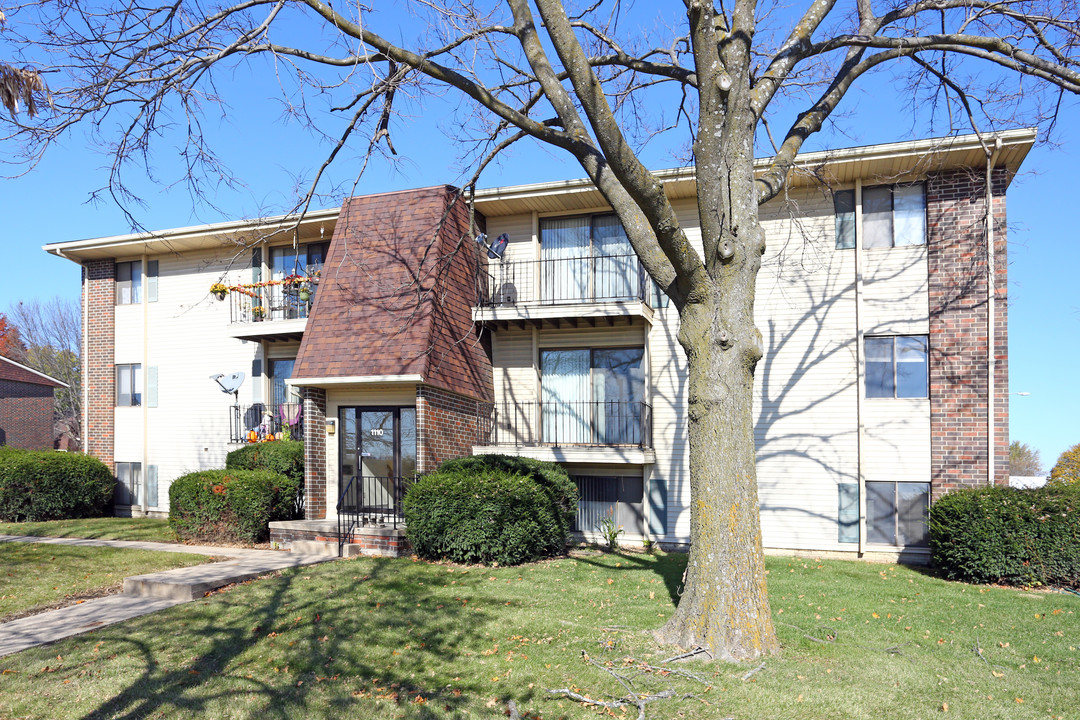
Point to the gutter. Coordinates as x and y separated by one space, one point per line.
991 316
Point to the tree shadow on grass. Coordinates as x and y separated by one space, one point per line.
371 627
669 566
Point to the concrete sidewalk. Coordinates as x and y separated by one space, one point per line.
143 594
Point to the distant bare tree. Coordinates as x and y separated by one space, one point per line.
52 332
596 80
1024 460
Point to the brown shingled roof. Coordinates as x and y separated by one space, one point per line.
396 294
11 370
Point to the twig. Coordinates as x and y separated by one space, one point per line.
692 653
640 702
754 672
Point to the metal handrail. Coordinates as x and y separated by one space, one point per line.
370 500
563 281
271 302
265 419
598 423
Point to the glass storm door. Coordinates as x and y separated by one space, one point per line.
378 442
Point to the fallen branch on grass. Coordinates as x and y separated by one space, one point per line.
639 701
754 672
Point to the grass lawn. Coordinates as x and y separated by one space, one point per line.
381 638
34 575
105 528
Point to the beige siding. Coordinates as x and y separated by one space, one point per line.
895 291
897 438
805 390
187 341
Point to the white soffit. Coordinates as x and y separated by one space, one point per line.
890 162
239 234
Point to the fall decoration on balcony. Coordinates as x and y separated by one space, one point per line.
258 312
290 284
219 291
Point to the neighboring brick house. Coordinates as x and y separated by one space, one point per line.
390 340
26 407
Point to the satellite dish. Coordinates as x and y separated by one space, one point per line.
496 249
229 384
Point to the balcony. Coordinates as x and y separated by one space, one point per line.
272 312
604 431
264 420
564 291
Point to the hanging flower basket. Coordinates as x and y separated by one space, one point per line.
304 294
219 291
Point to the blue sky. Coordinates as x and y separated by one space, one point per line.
271 156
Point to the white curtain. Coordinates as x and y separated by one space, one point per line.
564 251
617 275
564 395
909 215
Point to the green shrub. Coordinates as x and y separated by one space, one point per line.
230 505
51 485
490 509
285 457
1017 537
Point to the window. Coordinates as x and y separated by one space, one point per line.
129 385
894 215
285 261
896 512
129 282
588 258
896 366
593 396
618 498
128 484
844 206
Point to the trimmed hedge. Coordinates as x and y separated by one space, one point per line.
51 485
1004 535
230 505
491 509
285 457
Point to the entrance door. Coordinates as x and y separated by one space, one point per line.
378 456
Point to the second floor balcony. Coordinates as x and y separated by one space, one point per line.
592 286
277 311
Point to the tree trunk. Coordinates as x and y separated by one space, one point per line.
724 608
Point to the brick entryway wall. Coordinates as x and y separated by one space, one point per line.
959 308
99 371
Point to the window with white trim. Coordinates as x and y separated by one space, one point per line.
896 512
129 282
894 215
128 484
896 366
129 385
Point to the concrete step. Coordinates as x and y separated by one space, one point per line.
193 582
318 547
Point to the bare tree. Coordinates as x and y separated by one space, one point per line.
52 333
596 80
1024 460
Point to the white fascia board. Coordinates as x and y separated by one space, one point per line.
355 380
32 370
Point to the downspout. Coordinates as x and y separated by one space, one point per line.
145 470
860 368
991 315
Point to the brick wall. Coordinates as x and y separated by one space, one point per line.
959 309
314 453
448 425
99 374
26 415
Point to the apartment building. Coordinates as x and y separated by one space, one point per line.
389 339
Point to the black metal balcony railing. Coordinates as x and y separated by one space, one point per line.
273 302
570 423
563 281
286 419
368 500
